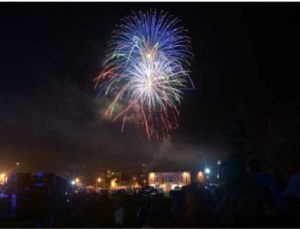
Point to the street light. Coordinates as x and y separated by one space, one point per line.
219 164
207 171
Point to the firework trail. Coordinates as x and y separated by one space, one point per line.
146 71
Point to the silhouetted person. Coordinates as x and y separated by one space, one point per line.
232 181
142 215
293 188
254 169
292 194
119 215
245 199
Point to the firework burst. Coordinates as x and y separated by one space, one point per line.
146 71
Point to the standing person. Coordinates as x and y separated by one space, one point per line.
232 184
199 207
292 194
119 215
254 169
244 199
293 188
143 214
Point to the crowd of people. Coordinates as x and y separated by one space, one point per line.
254 194
249 194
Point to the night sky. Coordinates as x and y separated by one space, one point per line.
246 57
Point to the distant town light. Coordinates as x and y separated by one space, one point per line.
152 175
185 174
77 180
99 179
200 177
73 182
3 178
151 178
200 174
186 177
207 170
219 162
113 184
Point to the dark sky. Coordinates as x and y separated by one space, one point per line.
49 53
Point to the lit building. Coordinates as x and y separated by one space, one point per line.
200 177
3 178
169 180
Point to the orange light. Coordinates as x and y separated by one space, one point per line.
152 175
201 177
113 184
3 178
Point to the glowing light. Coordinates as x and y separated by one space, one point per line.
136 185
146 71
207 170
185 174
113 184
152 175
73 182
3 178
186 177
99 180
200 174
77 180
200 177
151 178
173 186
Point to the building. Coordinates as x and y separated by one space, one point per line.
169 180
